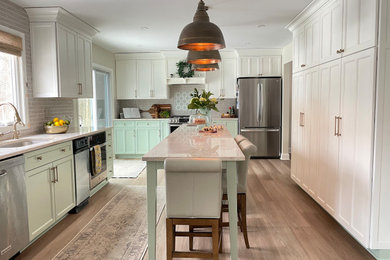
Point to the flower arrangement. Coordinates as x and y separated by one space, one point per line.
202 101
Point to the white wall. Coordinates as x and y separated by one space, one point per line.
286 101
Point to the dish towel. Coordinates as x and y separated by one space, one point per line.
97 158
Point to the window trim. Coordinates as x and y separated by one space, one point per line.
22 95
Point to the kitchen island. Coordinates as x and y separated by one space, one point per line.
187 142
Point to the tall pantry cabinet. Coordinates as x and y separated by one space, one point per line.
335 113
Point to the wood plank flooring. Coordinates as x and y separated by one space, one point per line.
283 222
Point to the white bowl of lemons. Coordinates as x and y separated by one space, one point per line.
57 126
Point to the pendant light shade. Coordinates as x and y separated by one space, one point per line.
205 67
203 57
201 34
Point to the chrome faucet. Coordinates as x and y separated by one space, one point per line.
17 120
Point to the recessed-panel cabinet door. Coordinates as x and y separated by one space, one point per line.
359 25
154 137
129 140
301 49
119 140
126 79
159 80
84 55
295 47
144 78
312 36
331 31
64 191
214 82
356 130
40 204
305 129
67 62
229 78
142 140
329 109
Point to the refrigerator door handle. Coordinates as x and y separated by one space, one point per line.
247 130
262 101
258 102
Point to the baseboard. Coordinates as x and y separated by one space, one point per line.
380 254
285 157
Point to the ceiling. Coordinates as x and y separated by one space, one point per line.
152 25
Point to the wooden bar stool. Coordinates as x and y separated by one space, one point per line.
194 197
248 150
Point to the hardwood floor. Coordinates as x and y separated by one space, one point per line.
283 222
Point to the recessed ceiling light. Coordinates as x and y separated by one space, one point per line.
260 25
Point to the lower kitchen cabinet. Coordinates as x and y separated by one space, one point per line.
134 138
50 187
109 154
231 125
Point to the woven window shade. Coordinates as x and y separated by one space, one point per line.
11 44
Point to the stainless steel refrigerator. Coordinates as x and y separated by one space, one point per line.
259 105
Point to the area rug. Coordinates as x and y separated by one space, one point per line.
128 168
118 231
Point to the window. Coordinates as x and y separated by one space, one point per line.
11 77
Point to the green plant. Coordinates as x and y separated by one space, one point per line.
184 69
203 101
165 114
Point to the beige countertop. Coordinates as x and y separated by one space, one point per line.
45 140
188 142
139 119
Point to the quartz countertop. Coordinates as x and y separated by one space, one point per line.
223 118
139 119
45 140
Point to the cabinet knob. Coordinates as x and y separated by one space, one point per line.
63 150
342 50
39 158
303 65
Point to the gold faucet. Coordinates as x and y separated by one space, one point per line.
17 120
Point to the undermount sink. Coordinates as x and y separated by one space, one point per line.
20 143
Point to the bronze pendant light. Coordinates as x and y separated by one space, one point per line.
203 57
201 34
205 67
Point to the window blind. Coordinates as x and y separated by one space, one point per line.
11 44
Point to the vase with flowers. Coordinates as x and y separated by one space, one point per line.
203 103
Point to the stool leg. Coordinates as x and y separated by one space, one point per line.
220 233
243 220
215 231
191 238
170 239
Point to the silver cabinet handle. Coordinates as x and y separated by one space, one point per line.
56 174
80 88
53 176
3 173
335 125
338 126
302 119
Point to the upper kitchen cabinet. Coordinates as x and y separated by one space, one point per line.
222 83
260 63
61 47
141 76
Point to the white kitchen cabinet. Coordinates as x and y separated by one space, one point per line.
144 78
141 77
214 82
126 79
84 54
360 22
222 83
328 160
331 31
356 135
257 66
312 42
61 54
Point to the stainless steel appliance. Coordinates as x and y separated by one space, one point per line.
82 172
96 178
13 208
176 121
259 106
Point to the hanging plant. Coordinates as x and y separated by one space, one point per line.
184 69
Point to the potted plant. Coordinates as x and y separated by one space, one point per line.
203 104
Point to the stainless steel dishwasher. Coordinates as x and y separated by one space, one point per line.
13 207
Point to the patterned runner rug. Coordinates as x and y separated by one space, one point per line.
118 231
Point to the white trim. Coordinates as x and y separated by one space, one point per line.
112 86
285 157
22 95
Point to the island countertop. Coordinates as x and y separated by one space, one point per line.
188 142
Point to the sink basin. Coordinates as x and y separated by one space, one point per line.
20 143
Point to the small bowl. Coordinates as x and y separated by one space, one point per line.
56 129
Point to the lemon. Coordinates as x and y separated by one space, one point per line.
57 123
55 119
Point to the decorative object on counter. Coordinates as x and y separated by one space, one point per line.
184 69
203 105
225 115
57 126
206 67
229 114
203 57
131 112
165 114
156 109
211 129
201 34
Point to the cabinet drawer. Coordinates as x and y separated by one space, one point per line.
149 123
109 135
123 123
47 155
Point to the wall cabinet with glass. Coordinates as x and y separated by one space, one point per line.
61 49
